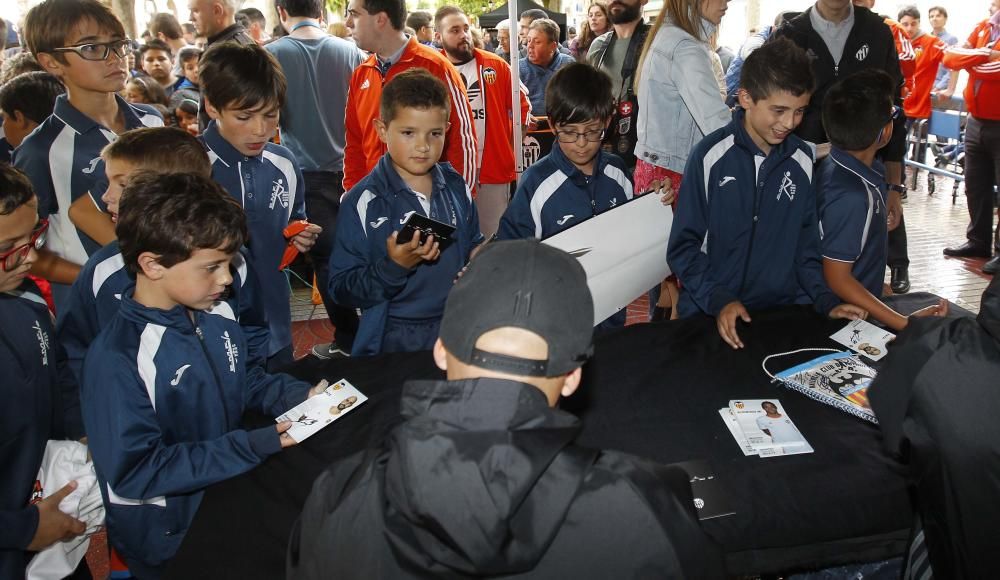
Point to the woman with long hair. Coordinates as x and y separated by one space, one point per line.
598 22
679 100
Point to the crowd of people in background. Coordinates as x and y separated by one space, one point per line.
156 188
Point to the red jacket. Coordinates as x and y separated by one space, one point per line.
498 153
907 56
930 50
363 148
982 94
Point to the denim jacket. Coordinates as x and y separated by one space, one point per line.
679 100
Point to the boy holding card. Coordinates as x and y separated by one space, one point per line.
165 384
243 90
858 115
401 287
96 294
745 235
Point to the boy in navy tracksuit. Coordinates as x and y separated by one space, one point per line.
96 294
745 235
83 44
577 179
858 115
243 90
39 399
166 383
26 101
401 287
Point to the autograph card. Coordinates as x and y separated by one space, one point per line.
311 415
864 338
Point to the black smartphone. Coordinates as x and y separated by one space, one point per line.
441 231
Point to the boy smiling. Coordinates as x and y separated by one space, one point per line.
746 232
401 287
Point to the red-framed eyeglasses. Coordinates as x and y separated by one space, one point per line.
15 257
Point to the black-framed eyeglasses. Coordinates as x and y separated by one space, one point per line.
101 50
15 257
593 135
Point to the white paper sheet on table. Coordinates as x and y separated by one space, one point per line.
623 251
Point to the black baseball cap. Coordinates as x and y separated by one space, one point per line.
523 284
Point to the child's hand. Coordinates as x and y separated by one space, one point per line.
286 439
726 322
53 525
940 310
306 239
318 389
410 254
665 189
849 312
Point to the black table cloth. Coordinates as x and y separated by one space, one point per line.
653 390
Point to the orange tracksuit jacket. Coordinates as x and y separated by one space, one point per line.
929 50
363 148
498 153
982 94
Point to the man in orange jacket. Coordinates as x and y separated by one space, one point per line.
980 57
378 29
487 81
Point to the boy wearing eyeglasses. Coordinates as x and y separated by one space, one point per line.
577 179
39 399
858 115
83 44
401 287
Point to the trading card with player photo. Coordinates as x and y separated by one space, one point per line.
865 338
316 412
766 425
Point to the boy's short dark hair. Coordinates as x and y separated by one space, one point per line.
565 101
188 53
160 149
778 65
394 9
15 189
49 24
910 11
415 89
156 44
18 64
941 9
166 23
235 76
306 8
856 108
32 93
174 215
418 19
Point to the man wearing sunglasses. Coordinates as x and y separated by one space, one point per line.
83 44
38 399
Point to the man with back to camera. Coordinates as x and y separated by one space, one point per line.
503 488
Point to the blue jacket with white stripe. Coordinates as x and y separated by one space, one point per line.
97 292
361 273
163 396
39 400
270 188
746 226
554 195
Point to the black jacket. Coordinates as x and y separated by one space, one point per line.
938 405
869 45
483 479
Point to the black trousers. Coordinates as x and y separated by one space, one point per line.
323 191
982 174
